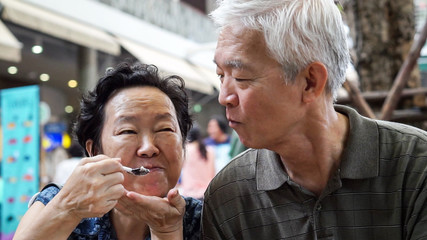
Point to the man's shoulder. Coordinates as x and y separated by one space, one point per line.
401 130
404 143
380 131
241 162
385 127
240 170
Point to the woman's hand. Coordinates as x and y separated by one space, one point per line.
93 189
164 216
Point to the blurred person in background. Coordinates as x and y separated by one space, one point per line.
315 169
132 118
219 139
199 165
66 166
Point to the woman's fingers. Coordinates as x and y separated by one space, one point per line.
94 187
113 179
104 166
96 158
176 200
115 192
163 215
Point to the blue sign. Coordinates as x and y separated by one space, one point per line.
21 154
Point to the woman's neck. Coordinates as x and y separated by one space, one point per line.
127 227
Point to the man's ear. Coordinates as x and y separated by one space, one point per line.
316 77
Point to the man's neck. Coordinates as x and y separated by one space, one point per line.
313 155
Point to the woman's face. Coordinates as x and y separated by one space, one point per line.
141 128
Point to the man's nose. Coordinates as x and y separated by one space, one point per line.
227 94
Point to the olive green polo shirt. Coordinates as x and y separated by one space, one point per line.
378 192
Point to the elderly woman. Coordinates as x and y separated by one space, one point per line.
132 118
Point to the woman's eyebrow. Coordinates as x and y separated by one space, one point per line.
125 119
158 117
164 116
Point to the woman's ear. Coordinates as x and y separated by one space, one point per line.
89 147
316 77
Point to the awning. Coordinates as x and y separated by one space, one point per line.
209 76
59 26
196 78
10 47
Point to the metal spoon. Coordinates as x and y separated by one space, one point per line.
141 171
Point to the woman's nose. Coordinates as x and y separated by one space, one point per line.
147 148
227 94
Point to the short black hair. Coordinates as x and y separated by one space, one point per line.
75 151
90 120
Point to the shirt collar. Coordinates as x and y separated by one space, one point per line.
360 158
269 170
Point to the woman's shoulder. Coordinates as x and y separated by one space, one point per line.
192 204
192 218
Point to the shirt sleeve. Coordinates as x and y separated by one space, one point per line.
46 194
192 218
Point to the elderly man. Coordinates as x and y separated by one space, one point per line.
316 170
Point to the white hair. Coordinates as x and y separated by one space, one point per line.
297 33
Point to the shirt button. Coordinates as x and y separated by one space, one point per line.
318 207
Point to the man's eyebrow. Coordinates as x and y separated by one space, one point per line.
234 64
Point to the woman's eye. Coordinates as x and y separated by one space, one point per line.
127 132
166 130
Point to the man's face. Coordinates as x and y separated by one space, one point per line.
259 105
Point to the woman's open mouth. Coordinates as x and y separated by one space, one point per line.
141 171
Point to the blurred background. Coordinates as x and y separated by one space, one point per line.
52 51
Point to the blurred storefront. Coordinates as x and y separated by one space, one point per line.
51 42
62 47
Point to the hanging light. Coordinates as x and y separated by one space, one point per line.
69 109
37 48
44 77
72 83
12 70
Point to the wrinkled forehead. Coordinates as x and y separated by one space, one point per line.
242 34
146 99
237 43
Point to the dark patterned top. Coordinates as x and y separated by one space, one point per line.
378 192
102 229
